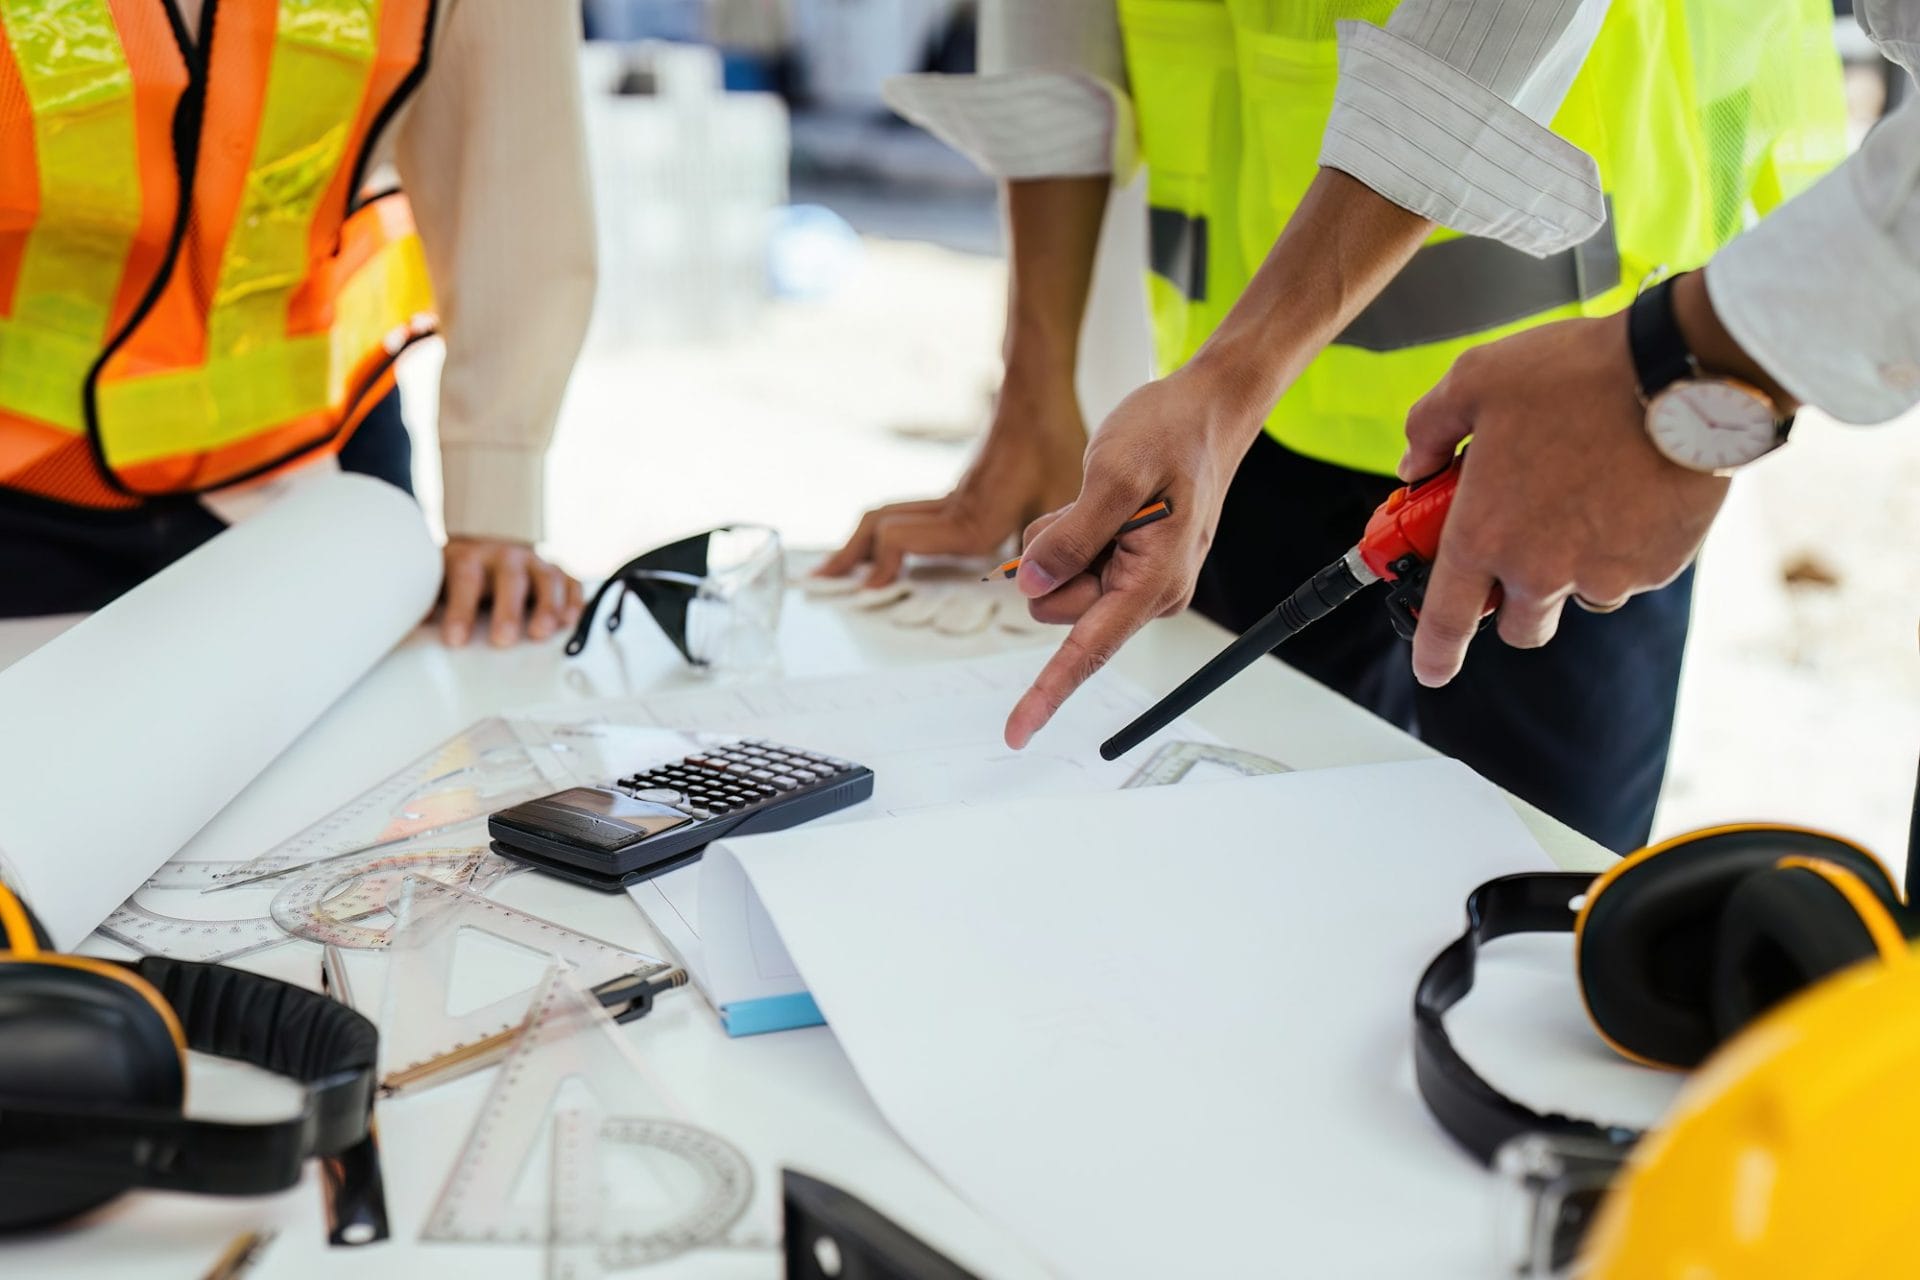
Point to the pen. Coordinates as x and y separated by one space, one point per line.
1141 519
239 1256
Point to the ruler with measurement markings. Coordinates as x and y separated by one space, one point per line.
699 1185
1183 762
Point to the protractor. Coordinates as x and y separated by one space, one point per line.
711 1182
348 903
153 932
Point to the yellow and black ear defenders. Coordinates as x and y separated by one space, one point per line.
93 1076
1676 948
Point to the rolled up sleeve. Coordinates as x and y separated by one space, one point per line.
1050 100
1443 111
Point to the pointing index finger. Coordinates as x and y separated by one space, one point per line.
1107 625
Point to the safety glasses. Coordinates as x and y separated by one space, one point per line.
716 595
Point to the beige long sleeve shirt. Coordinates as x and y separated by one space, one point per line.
491 151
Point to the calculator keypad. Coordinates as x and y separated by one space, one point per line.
730 779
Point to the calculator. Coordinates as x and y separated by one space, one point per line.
661 818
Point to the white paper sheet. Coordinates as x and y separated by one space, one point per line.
932 736
1164 1032
122 737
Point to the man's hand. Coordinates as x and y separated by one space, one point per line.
1178 439
1029 464
520 586
1182 437
1562 495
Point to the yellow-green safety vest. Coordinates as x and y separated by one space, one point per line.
1695 111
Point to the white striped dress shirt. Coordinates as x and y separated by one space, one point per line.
1442 111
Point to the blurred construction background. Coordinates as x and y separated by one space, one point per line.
800 315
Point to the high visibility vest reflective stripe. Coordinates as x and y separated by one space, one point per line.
1695 111
176 320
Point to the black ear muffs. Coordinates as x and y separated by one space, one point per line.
1785 929
1677 947
79 1037
1649 933
93 1079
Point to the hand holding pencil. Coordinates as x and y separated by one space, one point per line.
1099 563
1141 519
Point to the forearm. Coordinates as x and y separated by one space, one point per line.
1340 249
492 155
1053 231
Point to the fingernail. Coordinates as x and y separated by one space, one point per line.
458 634
1033 580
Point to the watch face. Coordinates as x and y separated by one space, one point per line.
1712 424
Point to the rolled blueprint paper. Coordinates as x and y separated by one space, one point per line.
122 737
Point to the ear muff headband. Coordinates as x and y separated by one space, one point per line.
1478 1116
1633 909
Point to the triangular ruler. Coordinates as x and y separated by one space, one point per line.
680 1186
421 1042
1177 763
490 765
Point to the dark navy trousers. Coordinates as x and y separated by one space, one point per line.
1580 728
60 559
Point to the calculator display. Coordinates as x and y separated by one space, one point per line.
641 816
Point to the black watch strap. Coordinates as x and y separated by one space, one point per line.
1660 355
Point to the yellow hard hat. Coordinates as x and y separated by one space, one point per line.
1794 1152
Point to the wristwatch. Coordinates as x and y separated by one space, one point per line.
1699 420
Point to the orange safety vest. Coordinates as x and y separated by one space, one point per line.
192 291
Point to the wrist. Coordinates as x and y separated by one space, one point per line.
1232 393
1040 404
1713 348
1041 349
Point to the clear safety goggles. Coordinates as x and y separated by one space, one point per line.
716 595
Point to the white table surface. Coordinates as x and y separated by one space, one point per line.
787 1099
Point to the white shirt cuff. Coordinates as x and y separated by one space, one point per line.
1023 124
493 491
1822 297
1427 137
